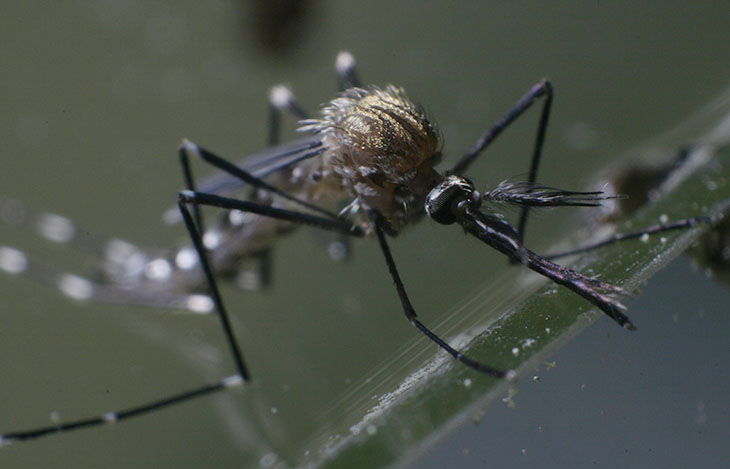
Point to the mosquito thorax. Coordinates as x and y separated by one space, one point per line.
381 148
444 200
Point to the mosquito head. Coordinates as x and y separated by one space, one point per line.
444 200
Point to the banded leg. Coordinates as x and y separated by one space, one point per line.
117 416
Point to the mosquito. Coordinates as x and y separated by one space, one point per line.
371 153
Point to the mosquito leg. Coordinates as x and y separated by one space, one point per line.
196 238
346 74
347 77
187 170
116 416
537 152
542 89
196 198
281 99
413 319
650 230
189 147
326 223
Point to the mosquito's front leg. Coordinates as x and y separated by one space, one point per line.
410 313
542 89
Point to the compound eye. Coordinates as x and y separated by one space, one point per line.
442 199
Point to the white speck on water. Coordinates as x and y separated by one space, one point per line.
527 343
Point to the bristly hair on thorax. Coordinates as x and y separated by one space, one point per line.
381 150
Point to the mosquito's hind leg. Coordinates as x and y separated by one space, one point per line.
281 99
117 416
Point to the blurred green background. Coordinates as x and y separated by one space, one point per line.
96 97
